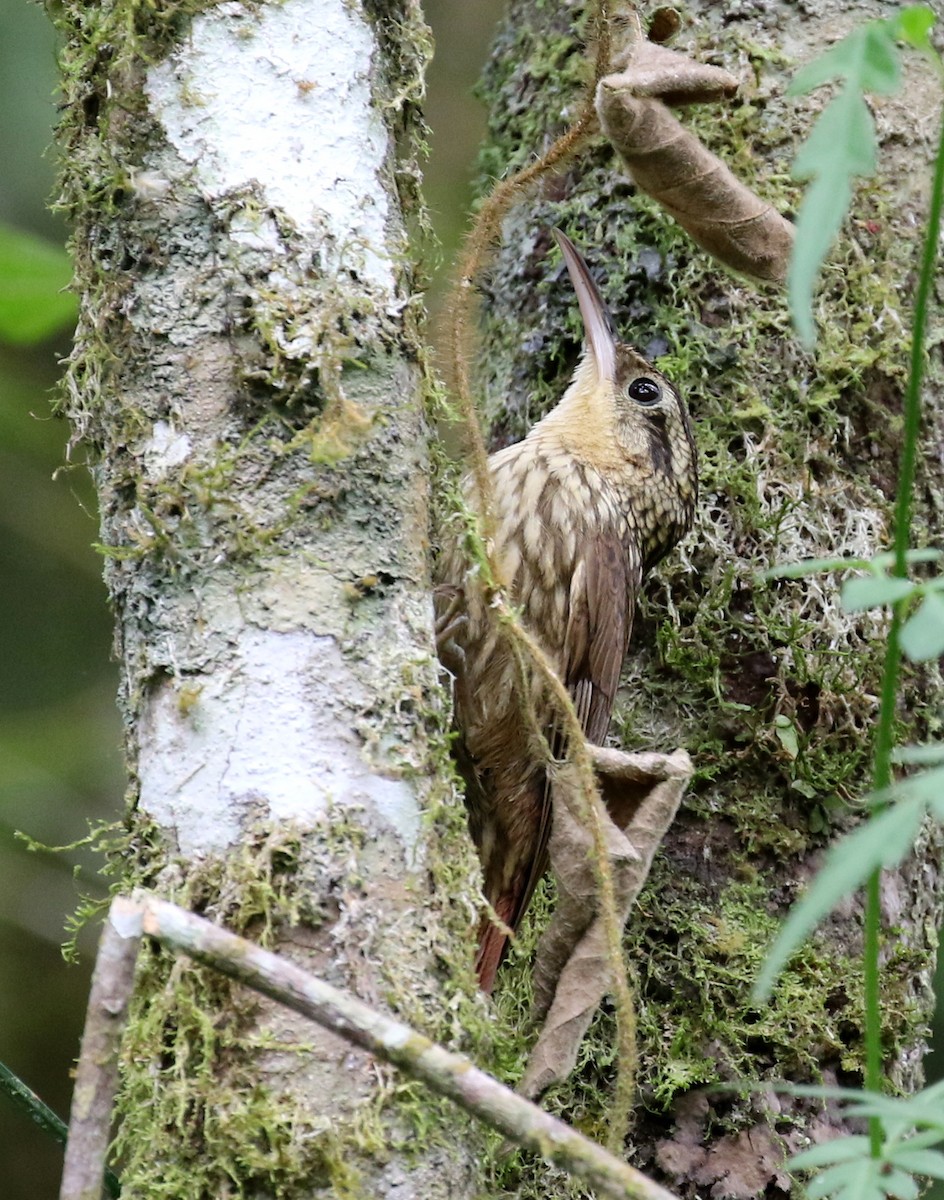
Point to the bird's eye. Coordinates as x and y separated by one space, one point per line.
644 391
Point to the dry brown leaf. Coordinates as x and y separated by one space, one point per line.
649 69
739 1166
673 78
683 1153
573 970
668 162
743 1165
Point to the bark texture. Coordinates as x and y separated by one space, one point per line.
798 458
246 378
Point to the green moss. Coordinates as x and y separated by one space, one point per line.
791 465
197 1102
191 1076
202 1119
308 444
690 1015
213 1128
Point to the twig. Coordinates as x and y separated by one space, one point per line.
96 1079
24 1097
447 1073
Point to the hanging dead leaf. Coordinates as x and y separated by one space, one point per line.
668 162
711 204
647 69
673 78
573 970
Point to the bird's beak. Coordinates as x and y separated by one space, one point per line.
597 322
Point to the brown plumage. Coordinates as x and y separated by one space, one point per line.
597 492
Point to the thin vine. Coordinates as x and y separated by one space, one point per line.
461 304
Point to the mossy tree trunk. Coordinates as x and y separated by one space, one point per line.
247 381
771 687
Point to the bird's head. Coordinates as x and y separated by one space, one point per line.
631 409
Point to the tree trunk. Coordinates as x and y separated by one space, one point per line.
771 687
247 376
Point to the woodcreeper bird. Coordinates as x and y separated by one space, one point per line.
597 493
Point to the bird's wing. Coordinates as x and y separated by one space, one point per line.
600 620
601 603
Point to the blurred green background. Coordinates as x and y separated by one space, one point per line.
60 763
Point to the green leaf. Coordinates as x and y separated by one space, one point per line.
926 787
786 732
840 147
863 1183
880 65
867 59
883 562
924 1110
813 566
821 212
929 786
919 1162
913 24
927 755
886 560
841 143
25 1098
882 841
900 1185
922 635
855 1179
870 591
841 1149
33 274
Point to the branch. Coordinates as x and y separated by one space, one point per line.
447 1073
96 1078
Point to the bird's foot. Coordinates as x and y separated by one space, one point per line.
451 617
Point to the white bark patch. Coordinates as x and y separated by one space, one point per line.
267 736
281 99
166 448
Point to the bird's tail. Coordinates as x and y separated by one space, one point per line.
493 944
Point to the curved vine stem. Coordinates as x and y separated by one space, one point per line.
477 249
482 237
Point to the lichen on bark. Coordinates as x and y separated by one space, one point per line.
247 384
